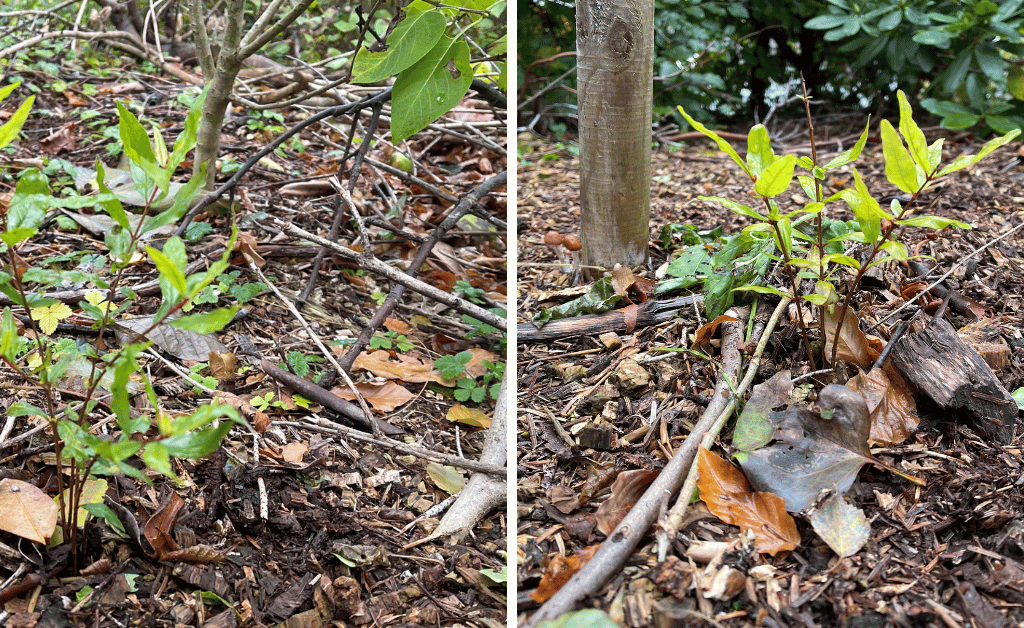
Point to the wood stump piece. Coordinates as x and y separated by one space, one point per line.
942 366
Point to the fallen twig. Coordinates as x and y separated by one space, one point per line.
619 546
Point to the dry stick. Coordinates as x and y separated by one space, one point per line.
368 418
320 424
423 251
373 264
614 552
674 518
949 272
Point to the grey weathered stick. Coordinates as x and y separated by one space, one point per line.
614 552
373 264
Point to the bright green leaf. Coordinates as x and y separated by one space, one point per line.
899 166
722 144
777 177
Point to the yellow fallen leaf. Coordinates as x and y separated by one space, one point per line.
468 416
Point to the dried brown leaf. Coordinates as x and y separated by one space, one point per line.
629 486
702 338
890 402
727 494
385 397
855 346
560 570
26 511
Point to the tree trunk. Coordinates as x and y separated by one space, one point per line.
615 73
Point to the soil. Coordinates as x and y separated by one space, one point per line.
948 553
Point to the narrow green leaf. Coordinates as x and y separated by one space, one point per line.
733 206
841 259
912 133
182 202
776 178
965 161
113 207
854 152
206 322
762 290
722 144
784 237
169 271
12 127
932 222
146 172
899 166
186 141
867 210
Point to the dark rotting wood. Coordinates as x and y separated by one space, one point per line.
942 366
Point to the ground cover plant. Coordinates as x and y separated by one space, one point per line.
609 402
224 406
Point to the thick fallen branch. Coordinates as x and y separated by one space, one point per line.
619 546
482 492
645 315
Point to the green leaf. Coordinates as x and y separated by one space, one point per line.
12 127
733 206
206 322
762 290
1018 396
899 166
412 38
156 457
784 238
867 210
31 201
759 150
182 201
932 222
196 444
121 403
722 144
186 141
113 207
897 250
912 133
965 161
854 152
106 513
169 272
430 88
139 150
843 260
776 178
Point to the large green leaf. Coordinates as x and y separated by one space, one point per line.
414 37
30 203
776 177
912 133
206 322
759 150
430 88
899 165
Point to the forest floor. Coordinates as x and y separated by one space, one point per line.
291 519
948 553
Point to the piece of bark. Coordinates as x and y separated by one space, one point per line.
942 366
647 314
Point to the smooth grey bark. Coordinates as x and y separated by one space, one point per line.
615 73
219 74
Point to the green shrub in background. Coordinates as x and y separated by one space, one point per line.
730 61
962 56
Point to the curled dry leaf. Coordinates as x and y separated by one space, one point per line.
727 494
385 397
855 346
159 527
468 416
560 570
890 403
702 338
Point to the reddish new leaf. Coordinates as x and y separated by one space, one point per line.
727 494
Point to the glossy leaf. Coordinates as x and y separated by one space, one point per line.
431 87
776 178
899 166
759 150
412 38
912 133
